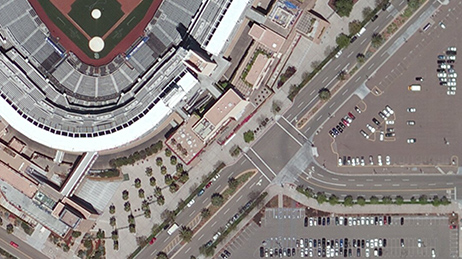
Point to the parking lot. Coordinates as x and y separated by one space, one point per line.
339 236
421 119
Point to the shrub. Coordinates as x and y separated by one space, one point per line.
348 201
342 40
160 200
179 168
168 152
343 7
159 161
173 187
324 94
9 228
399 200
148 171
137 183
76 234
112 221
186 233
249 136
321 197
141 193
152 181
205 213
217 199
233 183
173 160
112 209
374 200
333 199
127 206
125 195
168 179
361 201
184 177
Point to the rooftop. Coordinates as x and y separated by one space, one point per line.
267 37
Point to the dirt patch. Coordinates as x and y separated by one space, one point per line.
289 202
273 203
257 218
127 6
64 6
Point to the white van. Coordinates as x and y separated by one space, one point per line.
361 32
414 88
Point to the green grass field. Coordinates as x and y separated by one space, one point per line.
110 14
84 19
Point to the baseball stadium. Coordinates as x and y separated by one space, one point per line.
92 75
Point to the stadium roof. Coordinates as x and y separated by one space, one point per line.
114 140
226 27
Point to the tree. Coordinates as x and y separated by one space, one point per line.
168 179
315 64
343 7
76 234
205 213
321 197
152 181
141 193
112 209
444 201
131 219
163 170
366 12
66 248
137 183
9 228
354 27
147 214
186 233
324 94
360 58
112 221
342 40
333 200
132 228
348 201
157 191
167 215
125 195
161 255
168 152
399 200
342 75
184 177
160 200
173 187
423 199
207 250
127 206
387 200
361 201
173 160
159 161
179 168
100 234
217 199
116 245
148 171
377 40
436 201
413 3
374 200
249 136
233 183
87 243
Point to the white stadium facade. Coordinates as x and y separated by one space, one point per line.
51 97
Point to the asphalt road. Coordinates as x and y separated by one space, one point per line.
24 250
278 165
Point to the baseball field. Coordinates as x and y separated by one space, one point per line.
75 22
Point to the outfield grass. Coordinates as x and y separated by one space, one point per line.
110 13
113 39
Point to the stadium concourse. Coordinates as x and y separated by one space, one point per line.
55 99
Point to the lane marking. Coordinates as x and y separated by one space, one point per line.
288 133
258 156
324 182
405 180
258 168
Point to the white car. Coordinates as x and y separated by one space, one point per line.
379 160
411 140
411 109
442 25
419 242
367 253
444 66
452 57
390 122
410 123
452 75
382 135
443 79
442 75
389 109
369 127
340 161
451 84
371 160
452 88
433 253
387 160
190 203
362 161
452 48
452 79
451 93
302 243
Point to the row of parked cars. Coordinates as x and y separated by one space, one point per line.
360 161
349 221
445 71
385 115
342 125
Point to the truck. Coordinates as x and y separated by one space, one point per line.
414 88
172 229
361 32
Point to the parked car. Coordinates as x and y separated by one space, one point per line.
411 109
13 244
376 121
411 140
410 123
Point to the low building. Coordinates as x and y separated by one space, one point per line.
191 137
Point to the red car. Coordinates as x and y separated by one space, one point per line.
351 116
152 240
452 226
208 185
14 244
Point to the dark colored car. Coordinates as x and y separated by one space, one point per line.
353 39
227 252
331 133
386 6
339 128
201 192
374 18
336 132
262 251
351 115
323 221
293 251
384 242
306 222
345 220
380 251
341 125
389 135
319 220
358 252
328 221
374 120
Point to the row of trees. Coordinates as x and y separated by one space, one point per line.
349 201
136 156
